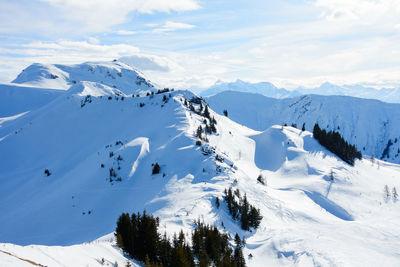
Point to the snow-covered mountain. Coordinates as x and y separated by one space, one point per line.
371 125
264 88
99 144
390 95
113 74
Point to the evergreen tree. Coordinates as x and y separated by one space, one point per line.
156 168
238 255
206 112
203 259
244 214
199 132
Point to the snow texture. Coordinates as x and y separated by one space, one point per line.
317 210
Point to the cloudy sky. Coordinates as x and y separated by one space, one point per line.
194 43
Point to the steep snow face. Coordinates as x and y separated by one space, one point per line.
371 125
113 74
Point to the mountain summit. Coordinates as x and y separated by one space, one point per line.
114 74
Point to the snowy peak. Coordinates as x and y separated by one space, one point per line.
41 75
111 74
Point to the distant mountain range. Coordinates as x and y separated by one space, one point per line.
390 95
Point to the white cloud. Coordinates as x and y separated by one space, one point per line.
101 14
152 25
74 17
125 32
169 26
148 62
93 40
72 49
364 12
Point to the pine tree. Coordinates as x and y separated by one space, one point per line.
217 202
244 219
204 261
238 255
156 168
199 132
206 112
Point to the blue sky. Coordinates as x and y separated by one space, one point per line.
194 43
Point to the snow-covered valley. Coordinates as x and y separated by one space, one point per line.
99 142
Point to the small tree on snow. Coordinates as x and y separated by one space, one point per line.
199 131
372 160
156 169
394 194
331 176
386 191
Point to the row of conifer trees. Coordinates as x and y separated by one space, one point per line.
335 143
137 235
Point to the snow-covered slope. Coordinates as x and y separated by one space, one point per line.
15 99
390 95
113 74
101 252
369 124
93 131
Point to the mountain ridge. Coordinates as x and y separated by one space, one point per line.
390 95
